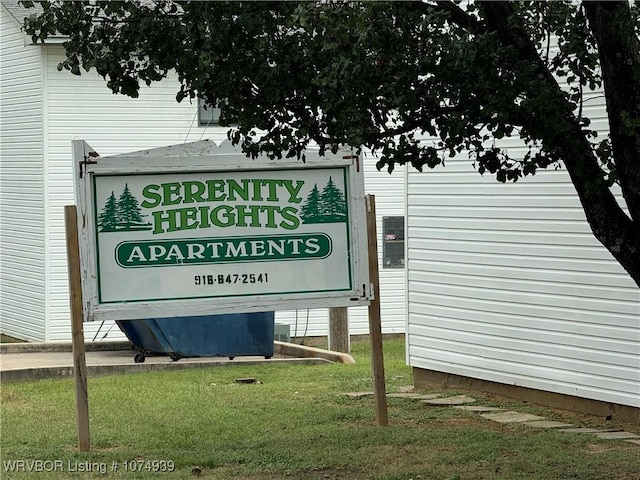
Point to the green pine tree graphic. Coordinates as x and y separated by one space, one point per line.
311 207
123 214
327 207
107 218
332 201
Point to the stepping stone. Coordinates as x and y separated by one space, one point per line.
402 395
511 417
358 395
585 430
548 424
412 396
616 435
457 400
478 408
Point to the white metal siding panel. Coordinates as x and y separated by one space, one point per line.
306 322
507 284
82 107
22 252
389 191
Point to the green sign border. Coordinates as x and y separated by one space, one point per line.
227 239
347 224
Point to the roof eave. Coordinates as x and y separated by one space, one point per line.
19 14
53 40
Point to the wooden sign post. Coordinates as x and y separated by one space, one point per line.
75 299
375 328
339 330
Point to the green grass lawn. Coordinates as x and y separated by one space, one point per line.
295 424
8 339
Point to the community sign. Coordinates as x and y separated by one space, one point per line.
201 229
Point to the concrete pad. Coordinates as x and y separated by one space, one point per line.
511 417
548 424
39 373
478 408
457 400
616 435
58 363
57 347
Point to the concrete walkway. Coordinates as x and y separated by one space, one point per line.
29 361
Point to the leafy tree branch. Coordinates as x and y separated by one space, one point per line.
415 82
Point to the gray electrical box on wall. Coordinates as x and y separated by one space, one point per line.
393 242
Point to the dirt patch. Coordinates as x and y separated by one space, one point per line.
9 397
464 421
601 447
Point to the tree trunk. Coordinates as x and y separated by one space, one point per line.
618 232
619 51
609 223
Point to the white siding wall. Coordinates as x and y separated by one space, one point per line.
22 218
82 107
506 283
389 190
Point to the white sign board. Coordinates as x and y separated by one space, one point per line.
201 229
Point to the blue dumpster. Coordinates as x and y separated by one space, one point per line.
232 335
